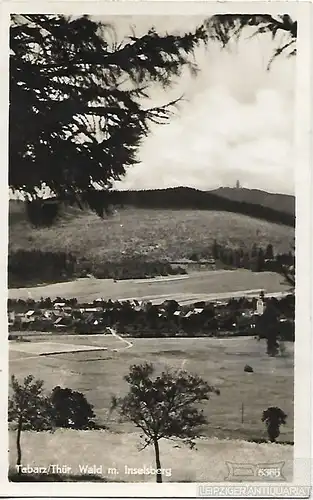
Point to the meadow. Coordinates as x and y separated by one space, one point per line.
155 233
235 414
196 286
111 452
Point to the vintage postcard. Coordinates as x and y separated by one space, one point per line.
156 310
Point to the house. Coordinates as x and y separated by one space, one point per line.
92 319
11 318
189 313
63 322
59 305
31 315
200 304
92 309
50 315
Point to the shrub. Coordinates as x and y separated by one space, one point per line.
273 417
70 409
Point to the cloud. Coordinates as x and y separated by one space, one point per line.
236 122
217 139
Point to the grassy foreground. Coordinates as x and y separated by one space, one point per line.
111 452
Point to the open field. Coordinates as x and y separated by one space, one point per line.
204 285
49 348
99 375
158 234
109 450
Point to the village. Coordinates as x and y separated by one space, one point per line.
141 318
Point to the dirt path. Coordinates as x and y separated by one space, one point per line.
115 334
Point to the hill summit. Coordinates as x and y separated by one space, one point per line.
258 204
277 208
276 201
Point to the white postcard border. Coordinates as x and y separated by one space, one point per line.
303 132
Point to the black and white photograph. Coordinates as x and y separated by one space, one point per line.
151 261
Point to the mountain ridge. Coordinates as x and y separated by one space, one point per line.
259 204
277 201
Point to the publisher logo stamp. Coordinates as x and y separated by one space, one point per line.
255 472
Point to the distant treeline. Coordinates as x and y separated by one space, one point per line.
31 267
256 259
188 198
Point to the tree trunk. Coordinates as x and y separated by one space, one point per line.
18 444
273 433
157 461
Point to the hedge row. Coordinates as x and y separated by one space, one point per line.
30 267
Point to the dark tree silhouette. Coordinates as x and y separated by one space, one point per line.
261 260
273 417
76 115
71 409
269 252
215 250
271 327
225 28
288 271
164 406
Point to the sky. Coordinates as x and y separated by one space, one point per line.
235 122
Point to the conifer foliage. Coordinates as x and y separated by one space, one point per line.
225 28
77 115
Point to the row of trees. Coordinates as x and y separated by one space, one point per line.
257 258
162 406
129 268
23 305
28 267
